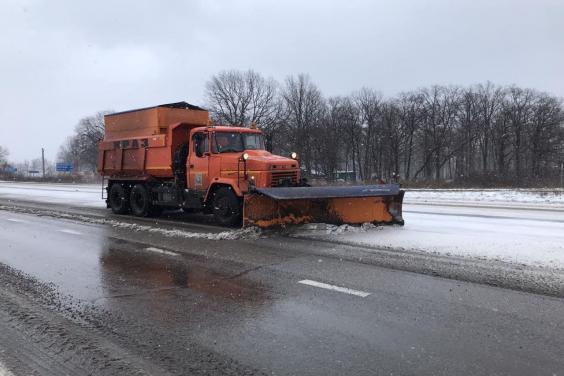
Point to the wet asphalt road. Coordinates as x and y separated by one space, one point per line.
245 305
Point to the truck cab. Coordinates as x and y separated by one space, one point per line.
224 163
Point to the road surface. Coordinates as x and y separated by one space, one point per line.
86 292
514 226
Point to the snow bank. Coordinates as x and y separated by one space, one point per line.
89 195
532 242
544 197
244 233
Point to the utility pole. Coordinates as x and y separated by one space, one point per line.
43 161
561 166
562 174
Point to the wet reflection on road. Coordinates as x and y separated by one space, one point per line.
90 264
126 266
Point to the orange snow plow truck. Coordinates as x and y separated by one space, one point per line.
172 157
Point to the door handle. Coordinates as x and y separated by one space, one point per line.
191 166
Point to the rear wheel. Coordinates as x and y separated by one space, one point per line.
140 202
118 198
227 207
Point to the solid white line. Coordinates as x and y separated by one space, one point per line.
69 231
16 220
161 251
322 285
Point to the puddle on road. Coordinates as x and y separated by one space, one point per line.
173 290
127 268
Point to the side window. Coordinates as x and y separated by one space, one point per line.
200 144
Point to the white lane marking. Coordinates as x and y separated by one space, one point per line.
16 220
4 371
345 290
161 251
69 231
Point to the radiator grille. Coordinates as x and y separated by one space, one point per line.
284 178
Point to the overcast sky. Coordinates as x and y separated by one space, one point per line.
61 60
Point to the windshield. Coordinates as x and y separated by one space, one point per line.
233 142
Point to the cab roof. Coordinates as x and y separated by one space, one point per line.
225 128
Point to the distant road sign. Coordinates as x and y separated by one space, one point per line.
10 169
64 167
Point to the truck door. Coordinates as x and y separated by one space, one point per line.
198 174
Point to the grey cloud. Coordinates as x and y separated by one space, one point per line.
62 60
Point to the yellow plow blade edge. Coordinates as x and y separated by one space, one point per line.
270 207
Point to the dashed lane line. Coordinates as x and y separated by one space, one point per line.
69 231
16 220
161 251
326 286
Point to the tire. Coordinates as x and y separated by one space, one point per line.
140 202
226 207
118 199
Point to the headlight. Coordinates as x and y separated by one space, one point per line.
294 155
245 156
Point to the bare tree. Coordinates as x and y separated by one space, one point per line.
368 102
490 100
82 148
4 155
544 134
90 131
519 109
440 119
304 107
241 98
329 146
352 135
71 152
410 107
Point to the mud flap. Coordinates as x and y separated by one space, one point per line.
269 207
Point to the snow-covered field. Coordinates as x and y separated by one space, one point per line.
520 226
550 198
72 194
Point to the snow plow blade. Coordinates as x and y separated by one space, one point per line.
268 207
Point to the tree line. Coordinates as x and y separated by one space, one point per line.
480 135
484 134
4 153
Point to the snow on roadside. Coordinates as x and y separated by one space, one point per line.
88 195
244 233
530 242
545 197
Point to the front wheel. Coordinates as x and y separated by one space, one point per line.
226 207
